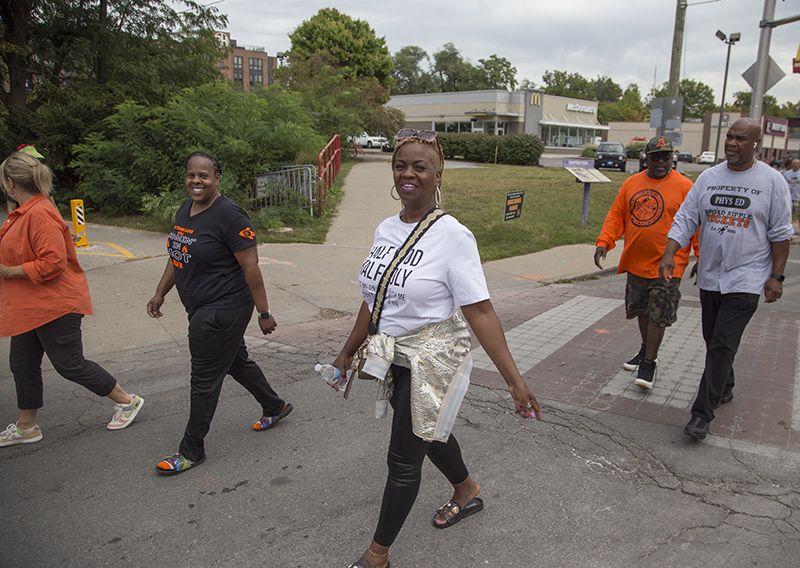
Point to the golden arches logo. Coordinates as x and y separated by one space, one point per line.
536 99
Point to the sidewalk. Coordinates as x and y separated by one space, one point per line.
606 480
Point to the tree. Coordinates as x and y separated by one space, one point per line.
66 64
497 73
605 90
629 108
698 98
336 101
352 43
742 99
563 84
409 77
139 150
453 71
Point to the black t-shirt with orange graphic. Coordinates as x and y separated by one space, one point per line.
207 274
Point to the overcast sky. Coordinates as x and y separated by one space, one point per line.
629 41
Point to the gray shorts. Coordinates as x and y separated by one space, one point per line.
654 298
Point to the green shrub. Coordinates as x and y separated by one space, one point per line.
515 149
633 149
589 151
135 161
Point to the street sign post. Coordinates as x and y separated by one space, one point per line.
584 171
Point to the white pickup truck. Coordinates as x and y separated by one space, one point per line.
368 141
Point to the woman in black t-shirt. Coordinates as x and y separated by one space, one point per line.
213 262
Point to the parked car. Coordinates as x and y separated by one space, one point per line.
389 145
684 156
369 141
707 158
610 155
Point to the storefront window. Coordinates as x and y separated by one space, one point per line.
566 137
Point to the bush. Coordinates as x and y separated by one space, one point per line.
135 162
633 149
589 151
514 149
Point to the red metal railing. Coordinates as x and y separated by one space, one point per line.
330 162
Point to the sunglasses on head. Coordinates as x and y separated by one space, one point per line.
426 135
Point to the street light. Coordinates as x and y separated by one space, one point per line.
730 41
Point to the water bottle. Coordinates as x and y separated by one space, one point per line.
331 375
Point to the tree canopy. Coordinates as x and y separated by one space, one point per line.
698 98
68 63
352 43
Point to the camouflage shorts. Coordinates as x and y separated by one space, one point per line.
654 298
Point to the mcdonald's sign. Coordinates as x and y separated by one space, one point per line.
536 98
796 62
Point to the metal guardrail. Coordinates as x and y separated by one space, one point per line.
330 162
288 186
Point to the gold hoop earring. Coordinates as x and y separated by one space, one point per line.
391 192
437 196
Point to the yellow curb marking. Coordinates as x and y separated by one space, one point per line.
125 253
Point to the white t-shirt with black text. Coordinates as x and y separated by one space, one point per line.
440 274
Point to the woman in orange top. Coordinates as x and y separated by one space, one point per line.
43 296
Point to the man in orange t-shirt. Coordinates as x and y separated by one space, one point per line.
643 212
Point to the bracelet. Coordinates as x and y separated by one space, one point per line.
778 277
264 315
376 554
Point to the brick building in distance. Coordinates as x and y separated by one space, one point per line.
247 67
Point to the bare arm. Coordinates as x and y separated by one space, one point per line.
667 266
354 341
248 260
773 289
164 286
487 328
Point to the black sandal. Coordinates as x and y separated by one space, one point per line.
452 513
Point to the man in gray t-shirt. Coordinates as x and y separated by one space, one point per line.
744 213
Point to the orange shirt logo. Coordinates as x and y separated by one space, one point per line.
247 233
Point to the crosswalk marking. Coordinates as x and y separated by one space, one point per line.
539 337
682 357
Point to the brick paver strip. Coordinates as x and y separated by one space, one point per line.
570 346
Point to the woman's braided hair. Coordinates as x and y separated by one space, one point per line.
433 143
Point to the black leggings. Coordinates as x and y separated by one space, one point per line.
406 454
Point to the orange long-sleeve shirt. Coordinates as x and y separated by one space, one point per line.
643 211
35 237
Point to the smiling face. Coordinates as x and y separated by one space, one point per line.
416 175
740 144
202 181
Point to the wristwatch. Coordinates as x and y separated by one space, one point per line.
264 315
778 277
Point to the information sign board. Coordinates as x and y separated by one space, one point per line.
513 205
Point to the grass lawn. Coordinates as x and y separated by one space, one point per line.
551 209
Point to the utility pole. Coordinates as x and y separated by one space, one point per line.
677 49
762 62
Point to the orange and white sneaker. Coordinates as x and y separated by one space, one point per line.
16 435
125 413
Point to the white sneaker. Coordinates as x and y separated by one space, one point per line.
125 413
14 435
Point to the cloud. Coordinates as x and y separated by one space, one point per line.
631 42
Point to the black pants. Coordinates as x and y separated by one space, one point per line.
725 316
216 344
61 340
406 454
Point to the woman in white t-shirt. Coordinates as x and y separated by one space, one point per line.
424 339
